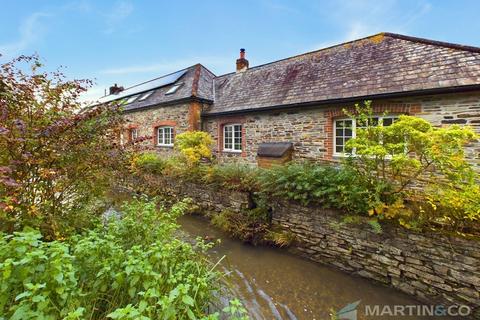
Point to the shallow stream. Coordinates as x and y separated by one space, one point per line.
275 284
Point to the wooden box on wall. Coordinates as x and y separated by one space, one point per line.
274 153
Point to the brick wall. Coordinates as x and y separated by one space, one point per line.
311 130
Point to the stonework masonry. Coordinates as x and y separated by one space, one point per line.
433 267
310 130
182 117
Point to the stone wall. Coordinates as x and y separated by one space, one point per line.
146 121
304 128
182 117
310 129
432 267
208 198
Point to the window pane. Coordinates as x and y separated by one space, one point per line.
339 149
227 132
167 135
389 121
232 137
238 137
339 124
160 136
348 132
339 141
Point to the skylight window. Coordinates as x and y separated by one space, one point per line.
173 89
145 95
131 99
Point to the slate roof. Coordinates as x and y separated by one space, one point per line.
380 64
196 83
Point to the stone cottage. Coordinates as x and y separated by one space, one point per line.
299 101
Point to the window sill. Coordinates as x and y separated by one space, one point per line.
165 145
342 155
232 151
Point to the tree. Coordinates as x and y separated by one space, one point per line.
411 152
55 155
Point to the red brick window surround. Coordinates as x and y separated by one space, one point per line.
231 132
345 129
132 133
335 114
164 133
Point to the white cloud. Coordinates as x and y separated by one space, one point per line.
30 31
119 13
219 64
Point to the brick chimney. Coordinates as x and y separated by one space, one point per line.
242 63
115 89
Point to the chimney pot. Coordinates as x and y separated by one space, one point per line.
115 89
242 63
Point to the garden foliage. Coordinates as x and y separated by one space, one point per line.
194 146
429 179
56 159
132 268
409 171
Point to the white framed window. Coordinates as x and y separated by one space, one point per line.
133 134
165 136
232 138
346 128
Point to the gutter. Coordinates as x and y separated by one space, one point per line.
323 103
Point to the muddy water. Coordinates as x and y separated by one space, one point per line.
274 284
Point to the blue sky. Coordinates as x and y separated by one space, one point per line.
129 41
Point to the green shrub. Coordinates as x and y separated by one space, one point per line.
132 268
149 162
411 152
194 145
327 186
233 176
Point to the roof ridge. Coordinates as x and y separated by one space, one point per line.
433 42
376 35
308 52
165 75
